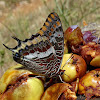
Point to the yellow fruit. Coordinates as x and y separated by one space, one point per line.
20 85
89 84
95 61
75 68
59 91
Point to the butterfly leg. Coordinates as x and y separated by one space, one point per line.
61 79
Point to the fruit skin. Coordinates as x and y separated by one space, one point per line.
59 91
18 85
74 69
89 84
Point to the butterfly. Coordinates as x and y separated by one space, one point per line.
42 53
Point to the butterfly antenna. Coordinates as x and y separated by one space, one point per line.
68 60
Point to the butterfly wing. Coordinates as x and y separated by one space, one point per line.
43 52
52 28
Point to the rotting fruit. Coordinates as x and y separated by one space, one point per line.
89 84
20 85
59 91
74 67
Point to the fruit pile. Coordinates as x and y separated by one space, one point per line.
86 44
81 78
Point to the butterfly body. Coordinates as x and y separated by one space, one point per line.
43 52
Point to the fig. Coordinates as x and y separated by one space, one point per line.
20 85
59 91
89 84
74 68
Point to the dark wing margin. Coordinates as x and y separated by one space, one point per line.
43 52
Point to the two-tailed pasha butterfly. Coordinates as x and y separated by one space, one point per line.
43 52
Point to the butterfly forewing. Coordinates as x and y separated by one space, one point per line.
43 52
